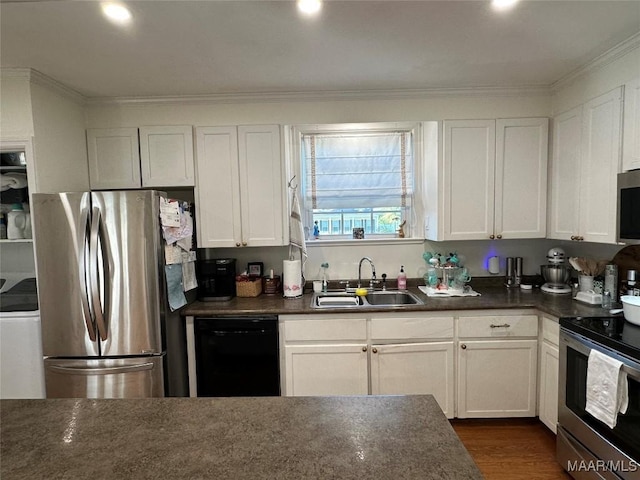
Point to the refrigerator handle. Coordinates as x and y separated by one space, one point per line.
94 274
101 371
82 263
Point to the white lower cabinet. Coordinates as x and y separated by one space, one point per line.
414 368
549 368
326 370
488 370
497 366
397 354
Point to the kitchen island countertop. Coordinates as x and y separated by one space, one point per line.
399 437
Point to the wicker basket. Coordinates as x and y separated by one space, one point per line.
252 288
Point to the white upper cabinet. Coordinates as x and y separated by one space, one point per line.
631 135
601 128
564 199
114 160
149 158
494 179
521 177
166 156
240 187
469 179
586 161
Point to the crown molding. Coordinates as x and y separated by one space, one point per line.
322 96
37 78
608 57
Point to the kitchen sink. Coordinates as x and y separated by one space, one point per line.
382 298
392 298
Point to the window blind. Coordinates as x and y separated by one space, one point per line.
356 170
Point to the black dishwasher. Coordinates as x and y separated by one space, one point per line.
237 356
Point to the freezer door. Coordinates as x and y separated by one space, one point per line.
140 377
61 227
127 288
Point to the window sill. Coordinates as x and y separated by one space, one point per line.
366 241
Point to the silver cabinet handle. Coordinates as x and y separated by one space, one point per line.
504 325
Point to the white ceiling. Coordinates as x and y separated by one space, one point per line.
231 47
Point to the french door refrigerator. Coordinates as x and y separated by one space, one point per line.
100 259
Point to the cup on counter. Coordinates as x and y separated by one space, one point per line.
586 283
317 286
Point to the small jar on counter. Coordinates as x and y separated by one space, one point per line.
606 299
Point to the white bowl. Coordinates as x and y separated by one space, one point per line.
631 308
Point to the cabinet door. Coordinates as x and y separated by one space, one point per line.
326 370
549 366
521 178
497 378
600 165
565 175
114 158
631 136
218 188
261 185
419 368
166 156
469 178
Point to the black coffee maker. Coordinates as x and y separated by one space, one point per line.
216 279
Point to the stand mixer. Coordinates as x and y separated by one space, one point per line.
556 273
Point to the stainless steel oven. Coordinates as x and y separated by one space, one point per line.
586 447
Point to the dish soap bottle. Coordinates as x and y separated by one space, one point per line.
402 279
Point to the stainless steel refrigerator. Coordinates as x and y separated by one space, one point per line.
100 258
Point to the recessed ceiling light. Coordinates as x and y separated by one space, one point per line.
309 7
117 13
503 4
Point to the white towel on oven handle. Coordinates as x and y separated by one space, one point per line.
607 388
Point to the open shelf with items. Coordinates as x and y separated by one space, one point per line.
14 194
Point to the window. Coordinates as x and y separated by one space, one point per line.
358 176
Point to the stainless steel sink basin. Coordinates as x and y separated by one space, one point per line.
393 298
387 298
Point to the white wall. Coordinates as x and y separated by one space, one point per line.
16 121
598 80
59 141
328 111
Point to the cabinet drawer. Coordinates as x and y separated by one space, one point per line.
322 329
498 326
399 327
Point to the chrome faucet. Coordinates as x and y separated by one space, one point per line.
373 272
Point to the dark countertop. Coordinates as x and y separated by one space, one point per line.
383 437
492 297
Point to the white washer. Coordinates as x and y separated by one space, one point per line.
21 361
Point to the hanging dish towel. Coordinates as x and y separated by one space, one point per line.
296 229
607 388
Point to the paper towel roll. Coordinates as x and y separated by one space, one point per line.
291 278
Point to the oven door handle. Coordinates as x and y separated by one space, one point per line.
584 346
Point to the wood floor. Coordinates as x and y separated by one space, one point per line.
511 449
